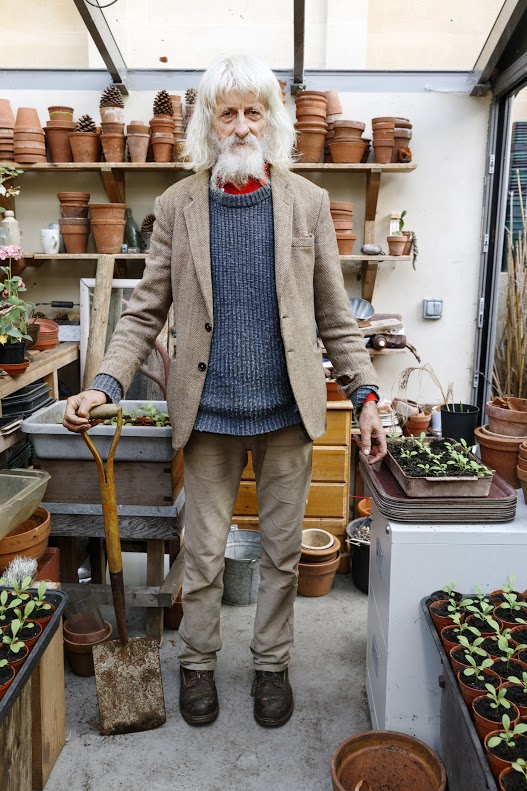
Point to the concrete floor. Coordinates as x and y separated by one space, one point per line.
234 753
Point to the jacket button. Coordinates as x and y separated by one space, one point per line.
202 366
208 327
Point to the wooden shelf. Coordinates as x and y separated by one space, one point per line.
155 167
377 259
384 352
8 440
84 256
43 365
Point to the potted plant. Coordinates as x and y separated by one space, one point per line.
514 778
506 745
7 675
489 709
14 315
28 629
517 691
12 648
467 654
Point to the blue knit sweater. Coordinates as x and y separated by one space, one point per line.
247 388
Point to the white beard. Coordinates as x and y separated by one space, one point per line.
239 159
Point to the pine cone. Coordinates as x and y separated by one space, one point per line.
191 95
147 226
86 124
111 97
163 103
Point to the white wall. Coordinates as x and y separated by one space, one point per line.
443 199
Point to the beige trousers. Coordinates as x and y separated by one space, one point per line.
213 467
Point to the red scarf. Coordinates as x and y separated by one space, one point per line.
250 186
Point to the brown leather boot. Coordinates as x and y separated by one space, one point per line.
273 698
198 699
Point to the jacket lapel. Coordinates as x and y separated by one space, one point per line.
283 226
198 227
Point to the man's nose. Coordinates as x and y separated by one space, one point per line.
242 127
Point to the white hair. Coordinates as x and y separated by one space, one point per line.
251 77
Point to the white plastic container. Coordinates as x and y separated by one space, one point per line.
20 493
138 443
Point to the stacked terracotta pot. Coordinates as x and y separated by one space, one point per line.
162 137
521 469
334 113
108 221
342 216
137 141
48 337
7 125
57 131
113 139
74 222
500 441
311 125
179 127
390 134
347 144
319 562
29 140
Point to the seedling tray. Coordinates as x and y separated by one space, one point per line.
461 751
439 487
59 599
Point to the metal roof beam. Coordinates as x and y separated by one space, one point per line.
299 24
103 39
496 43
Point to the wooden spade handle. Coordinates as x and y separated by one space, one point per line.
104 412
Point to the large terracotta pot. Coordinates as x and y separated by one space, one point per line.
347 150
316 579
108 235
310 145
107 211
386 759
507 422
383 151
29 538
500 453
58 141
85 146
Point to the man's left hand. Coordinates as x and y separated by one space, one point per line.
372 440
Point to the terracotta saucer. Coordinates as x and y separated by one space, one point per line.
16 369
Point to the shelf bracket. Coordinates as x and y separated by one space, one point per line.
114 184
369 275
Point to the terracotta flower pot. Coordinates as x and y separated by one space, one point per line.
386 760
341 206
484 725
496 764
9 673
29 137
310 145
75 234
17 663
60 113
112 129
316 579
107 211
162 147
113 147
29 538
58 141
457 658
108 235
112 115
43 616
74 198
347 150
507 777
380 135
85 628
499 453
7 118
311 111
507 422
73 212
30 642
345 243
80 655
522 477
137 129
440 621
85 146
314 554
27 117
163 124
383 151
469 693
448 643
409 236
401 138
333 102
521 708
396 244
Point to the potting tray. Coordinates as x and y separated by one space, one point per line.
439 487
461 750
20 493
59 599
498 506
138 443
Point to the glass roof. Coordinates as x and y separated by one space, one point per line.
173 34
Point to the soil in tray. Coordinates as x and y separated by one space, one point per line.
451 633
479 624
484 708
6 653
499 598
411 467
512 668
443 610
5 674
517 695
521 635
514 782
8 616
439 595
518 750
474 683
27 632
490 645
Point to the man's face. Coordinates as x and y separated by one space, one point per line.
238 116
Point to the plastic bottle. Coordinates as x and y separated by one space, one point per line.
3 237
132 235
12 229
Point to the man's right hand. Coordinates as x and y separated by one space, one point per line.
78 408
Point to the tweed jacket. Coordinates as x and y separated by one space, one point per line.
310 291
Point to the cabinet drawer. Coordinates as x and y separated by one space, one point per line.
338 430
329 464
324 499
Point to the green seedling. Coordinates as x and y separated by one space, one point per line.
19 589
520 682
39 600
497 697
512 603
508 734
509 586
472 649
475 669
449 589
10 639
521 766
7 603
24 617
406 453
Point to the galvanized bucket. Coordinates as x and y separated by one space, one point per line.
241 577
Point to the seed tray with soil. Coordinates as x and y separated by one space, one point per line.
431 467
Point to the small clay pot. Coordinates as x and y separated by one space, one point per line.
333 102
162 123
383 151
107 211
60 112
6 684
112 129
137 129
29 137
316 579
80 655
345 243
137 145
396 244
112 115
484 725
162 147
343 225
469 693
85 146
75 234
27 117
310 145
340 206
113 147
402 138
108 235
73 212
7 118
347 151
73 197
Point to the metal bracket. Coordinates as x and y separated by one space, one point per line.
103 39
296 87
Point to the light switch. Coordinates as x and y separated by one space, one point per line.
432 308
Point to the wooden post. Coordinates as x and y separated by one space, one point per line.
15 745
99 317
155 574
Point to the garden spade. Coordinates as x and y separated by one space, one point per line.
128 670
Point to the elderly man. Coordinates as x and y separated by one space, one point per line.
246 253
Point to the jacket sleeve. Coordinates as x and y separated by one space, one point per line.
337 327
142 321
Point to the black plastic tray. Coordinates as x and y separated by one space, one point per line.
59 599
461 751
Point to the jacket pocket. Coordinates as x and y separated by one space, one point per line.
303 241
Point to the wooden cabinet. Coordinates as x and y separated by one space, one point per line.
327 500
